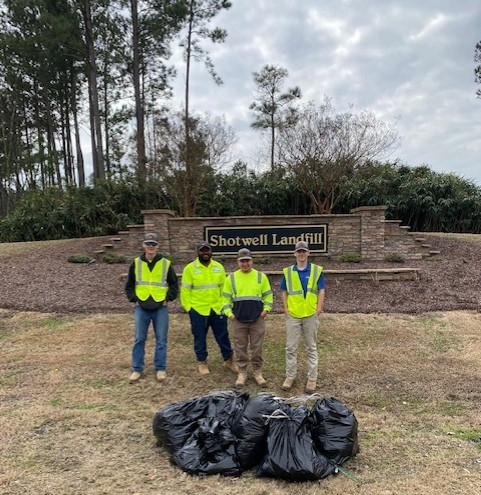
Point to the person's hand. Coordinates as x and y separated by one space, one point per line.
264 314
231 317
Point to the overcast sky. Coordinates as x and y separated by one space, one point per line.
409 61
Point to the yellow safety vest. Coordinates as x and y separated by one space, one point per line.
151 283
252 286
298 305
201 287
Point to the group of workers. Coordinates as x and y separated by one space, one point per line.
211 299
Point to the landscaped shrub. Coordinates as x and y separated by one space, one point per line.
79 258
350 258
112 258
394 258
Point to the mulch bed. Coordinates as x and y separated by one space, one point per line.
43 280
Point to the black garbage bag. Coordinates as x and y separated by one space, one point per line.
291 452
174 424
226 405
209 450
251 428
334 429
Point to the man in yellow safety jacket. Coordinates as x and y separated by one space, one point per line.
303 292
201 296
248 298
151 283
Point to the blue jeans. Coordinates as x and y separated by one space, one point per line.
200 325
160 322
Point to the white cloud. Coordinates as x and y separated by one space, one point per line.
410 61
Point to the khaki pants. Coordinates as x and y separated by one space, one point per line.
245 333
307 328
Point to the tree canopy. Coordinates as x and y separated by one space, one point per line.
101 68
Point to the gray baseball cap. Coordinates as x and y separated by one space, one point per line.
244 254
301 245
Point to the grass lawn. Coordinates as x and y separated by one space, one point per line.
70 423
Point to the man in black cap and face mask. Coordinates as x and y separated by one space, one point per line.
201 296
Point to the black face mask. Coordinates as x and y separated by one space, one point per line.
204 256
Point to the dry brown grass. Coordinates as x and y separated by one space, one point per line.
70 423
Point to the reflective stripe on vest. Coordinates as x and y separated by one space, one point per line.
151 283
201 287
244 298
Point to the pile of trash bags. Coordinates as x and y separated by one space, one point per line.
229 432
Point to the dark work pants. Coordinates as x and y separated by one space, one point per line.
200 325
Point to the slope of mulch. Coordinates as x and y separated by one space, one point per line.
43 280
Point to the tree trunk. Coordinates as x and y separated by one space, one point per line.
78 146
188 148
138 96
96 130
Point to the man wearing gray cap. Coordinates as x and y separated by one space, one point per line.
151 283
247 300
201 296
302 291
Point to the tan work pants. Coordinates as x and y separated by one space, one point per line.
249 333
295 329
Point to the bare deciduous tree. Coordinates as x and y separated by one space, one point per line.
322 150
211 141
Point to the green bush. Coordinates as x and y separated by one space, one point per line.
350 258
112 258
394 258
79 258
55 213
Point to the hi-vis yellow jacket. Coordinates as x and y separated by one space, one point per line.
298 305
246 295
151 283
201 288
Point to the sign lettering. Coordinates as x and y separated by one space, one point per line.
271 239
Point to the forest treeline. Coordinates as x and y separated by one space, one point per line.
100 68
423 199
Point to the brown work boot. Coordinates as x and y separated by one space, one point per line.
230 365
288 383
203 368
311 386
260 380
161 376
241 380
136 376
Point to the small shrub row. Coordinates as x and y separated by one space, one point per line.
110 258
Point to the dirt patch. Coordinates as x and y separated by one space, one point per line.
43 280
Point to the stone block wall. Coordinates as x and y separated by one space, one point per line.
365 231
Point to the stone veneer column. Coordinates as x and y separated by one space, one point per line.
372 231
158 221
